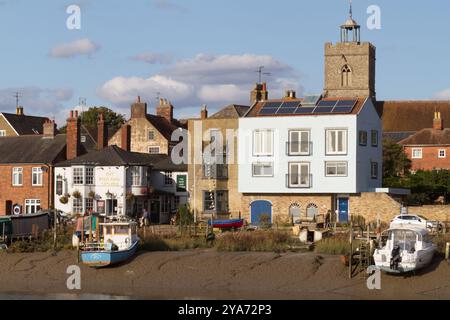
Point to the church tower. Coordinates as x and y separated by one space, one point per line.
350 64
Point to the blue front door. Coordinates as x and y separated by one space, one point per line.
343 209
260 208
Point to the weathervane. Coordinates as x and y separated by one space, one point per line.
261 73
351 9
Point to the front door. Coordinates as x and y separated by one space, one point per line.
154 212
261 211
343 209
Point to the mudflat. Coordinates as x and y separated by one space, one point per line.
208 274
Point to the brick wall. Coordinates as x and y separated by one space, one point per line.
372 205
430 158
433 212
19 194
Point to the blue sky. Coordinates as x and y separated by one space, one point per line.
206 51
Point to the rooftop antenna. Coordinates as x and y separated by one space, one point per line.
261 73
82 103
17 95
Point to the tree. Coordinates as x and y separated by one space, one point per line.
90 117
395 161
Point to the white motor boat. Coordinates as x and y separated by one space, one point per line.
407 248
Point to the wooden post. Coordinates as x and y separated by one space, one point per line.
350 260
447 251
55 217
97 230
90 227
82 229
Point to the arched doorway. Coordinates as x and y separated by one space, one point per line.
259 209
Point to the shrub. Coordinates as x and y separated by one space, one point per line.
76 194
64 200
45 243
268 241
336 245
154 242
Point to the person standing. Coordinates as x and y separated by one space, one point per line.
145 217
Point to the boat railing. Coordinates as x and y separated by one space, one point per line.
95 246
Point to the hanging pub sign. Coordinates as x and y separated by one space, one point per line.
101 206
181 183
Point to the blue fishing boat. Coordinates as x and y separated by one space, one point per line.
119 244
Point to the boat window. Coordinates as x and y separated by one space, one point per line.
120 230
108 230
405 239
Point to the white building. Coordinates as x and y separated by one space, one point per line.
114 181
312 150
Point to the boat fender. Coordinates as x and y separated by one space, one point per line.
127 240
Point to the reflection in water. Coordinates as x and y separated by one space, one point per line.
62 296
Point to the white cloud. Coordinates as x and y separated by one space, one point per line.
443 95
35 100
121 90
76 48
154 58
216 80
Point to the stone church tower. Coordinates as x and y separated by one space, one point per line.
350 64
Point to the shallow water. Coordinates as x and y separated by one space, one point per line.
63 296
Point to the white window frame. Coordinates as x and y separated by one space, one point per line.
263 164
80 173
77 205
32 203
17 176
328 143
300 142
442 151
91 180
2 133
336 164
38 173
299 175
136 176
168 178
413 152
154 147
263 143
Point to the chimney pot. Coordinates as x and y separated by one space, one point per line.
73 136
438 123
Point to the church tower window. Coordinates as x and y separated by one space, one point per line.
346 75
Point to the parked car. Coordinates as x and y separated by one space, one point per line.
416 220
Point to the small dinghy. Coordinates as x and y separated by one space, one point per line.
227 224
119 244
407 249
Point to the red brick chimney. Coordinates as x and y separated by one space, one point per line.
125 137
438 123
49 129
102 133
73 136
260 93
138 109
165 110
204 113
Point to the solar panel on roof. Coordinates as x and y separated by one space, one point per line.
286 110
272 105
346 103
304 110
342 109
290 104
327 103
268 111
323 110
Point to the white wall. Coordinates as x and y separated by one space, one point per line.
106 179
358 179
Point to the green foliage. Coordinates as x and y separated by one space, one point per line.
185 216
45 242
264 221
336 245
90 117
395 161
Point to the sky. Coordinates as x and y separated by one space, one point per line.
196 52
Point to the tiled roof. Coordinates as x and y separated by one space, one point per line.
110 156
404 116
163 125
232 111
31 149
254 111
428 137
397 136
25 125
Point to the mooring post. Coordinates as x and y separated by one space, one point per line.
350 258
447 251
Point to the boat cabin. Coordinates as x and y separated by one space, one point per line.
407 239
119 234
